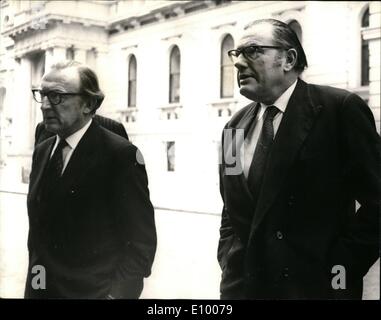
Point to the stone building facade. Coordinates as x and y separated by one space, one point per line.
163 68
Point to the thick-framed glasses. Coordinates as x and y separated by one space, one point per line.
249 52
54 97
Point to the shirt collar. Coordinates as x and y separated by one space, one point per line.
282 101
74 139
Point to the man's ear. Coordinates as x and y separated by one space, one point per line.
291 58
90 106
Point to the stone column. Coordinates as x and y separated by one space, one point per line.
49 58
21 114
80 55
20 151
2 101
103 72
53 55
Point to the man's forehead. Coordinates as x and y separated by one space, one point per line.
260 34
67 78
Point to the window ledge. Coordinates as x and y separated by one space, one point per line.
224 107
129 114
171 111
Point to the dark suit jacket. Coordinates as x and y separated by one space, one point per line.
95 233
41 134
326 155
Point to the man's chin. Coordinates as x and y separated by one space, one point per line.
51 127
247 92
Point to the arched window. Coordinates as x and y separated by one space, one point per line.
227 68
174 75
295 26
132 82
365 51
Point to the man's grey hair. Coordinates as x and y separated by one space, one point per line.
89 84
285 37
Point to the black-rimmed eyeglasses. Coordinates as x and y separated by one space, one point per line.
249 52
54 97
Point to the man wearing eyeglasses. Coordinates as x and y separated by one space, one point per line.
305 154
91 223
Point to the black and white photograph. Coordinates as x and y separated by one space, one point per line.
210 150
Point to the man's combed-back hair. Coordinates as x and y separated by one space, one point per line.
285 37
89 84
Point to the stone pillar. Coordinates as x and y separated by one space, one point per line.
53 55
373 35
49 58
80 55
22 113
103 73
91 59
2 101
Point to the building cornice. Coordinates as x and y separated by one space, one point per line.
46 44
43 21
172 11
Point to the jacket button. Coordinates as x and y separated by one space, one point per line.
285 273
291 201
279 235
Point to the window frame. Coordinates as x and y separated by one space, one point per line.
132 82
174 75
225 65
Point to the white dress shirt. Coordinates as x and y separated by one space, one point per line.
247 152
72 142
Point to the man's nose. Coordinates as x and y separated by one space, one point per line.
45 103
240 62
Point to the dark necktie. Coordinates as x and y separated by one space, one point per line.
264 143
55 165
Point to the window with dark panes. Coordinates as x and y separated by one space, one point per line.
171 156
132 82
365 51
174 75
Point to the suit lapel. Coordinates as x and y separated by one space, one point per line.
237 143
39 167
293 130
83 157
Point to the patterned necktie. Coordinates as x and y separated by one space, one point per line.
264 143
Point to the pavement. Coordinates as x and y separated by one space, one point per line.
185 265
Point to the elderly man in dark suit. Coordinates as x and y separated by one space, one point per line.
91 223
41 134
294 163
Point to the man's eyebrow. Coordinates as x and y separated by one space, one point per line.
53 88
248 44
